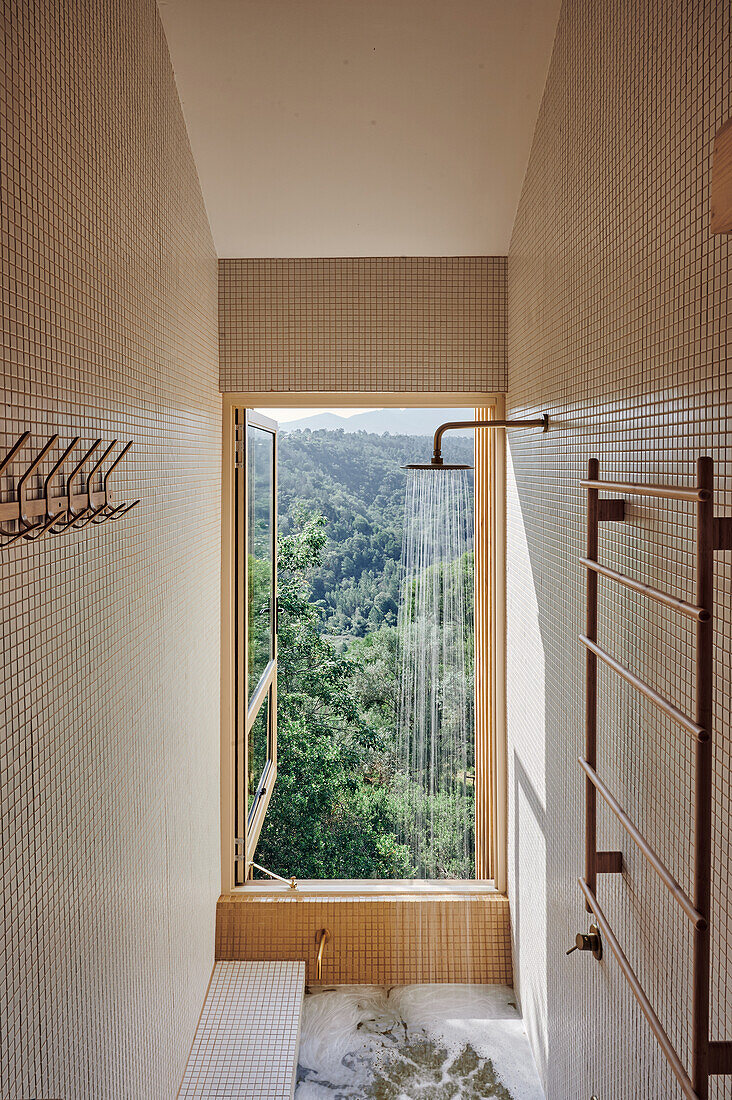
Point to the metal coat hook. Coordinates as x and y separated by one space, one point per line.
73 514
10 456
47 485
36 516
88 514
25 520
121 509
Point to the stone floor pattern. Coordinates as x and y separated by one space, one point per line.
427 1042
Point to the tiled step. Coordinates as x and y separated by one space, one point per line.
247 1038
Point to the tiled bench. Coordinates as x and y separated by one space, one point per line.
247 1038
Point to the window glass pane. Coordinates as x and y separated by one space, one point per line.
258 750
260 485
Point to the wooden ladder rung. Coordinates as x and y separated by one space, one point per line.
634 488
668 708
701 614
646 1007
631 829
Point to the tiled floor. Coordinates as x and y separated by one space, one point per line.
465 1042
247 1037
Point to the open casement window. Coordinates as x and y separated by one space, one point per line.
255 598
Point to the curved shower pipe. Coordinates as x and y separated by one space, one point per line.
436 462
451 425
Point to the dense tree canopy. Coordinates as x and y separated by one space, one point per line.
355 481
330 815
341 798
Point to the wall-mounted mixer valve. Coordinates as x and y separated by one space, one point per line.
588 941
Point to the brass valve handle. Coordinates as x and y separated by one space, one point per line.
588 941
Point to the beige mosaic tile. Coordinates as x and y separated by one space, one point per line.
376 940
109 787
619 327
393 323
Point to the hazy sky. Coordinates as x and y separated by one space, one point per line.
283 415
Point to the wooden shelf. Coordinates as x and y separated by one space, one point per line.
722 180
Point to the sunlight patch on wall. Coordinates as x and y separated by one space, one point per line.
526 707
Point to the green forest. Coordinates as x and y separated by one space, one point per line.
355 481
339 797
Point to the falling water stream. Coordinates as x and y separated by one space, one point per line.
435 772
427 1040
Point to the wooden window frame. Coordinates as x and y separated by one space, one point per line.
490 618
249 817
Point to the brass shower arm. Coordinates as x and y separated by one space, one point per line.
451 425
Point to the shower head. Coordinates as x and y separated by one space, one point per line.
438 464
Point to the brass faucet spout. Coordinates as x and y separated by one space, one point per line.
321 938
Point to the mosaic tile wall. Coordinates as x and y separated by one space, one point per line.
110 636
619 328
363 324
374 940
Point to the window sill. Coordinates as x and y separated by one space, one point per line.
368 887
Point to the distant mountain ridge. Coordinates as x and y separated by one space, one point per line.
394 421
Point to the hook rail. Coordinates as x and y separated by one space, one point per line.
79 505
